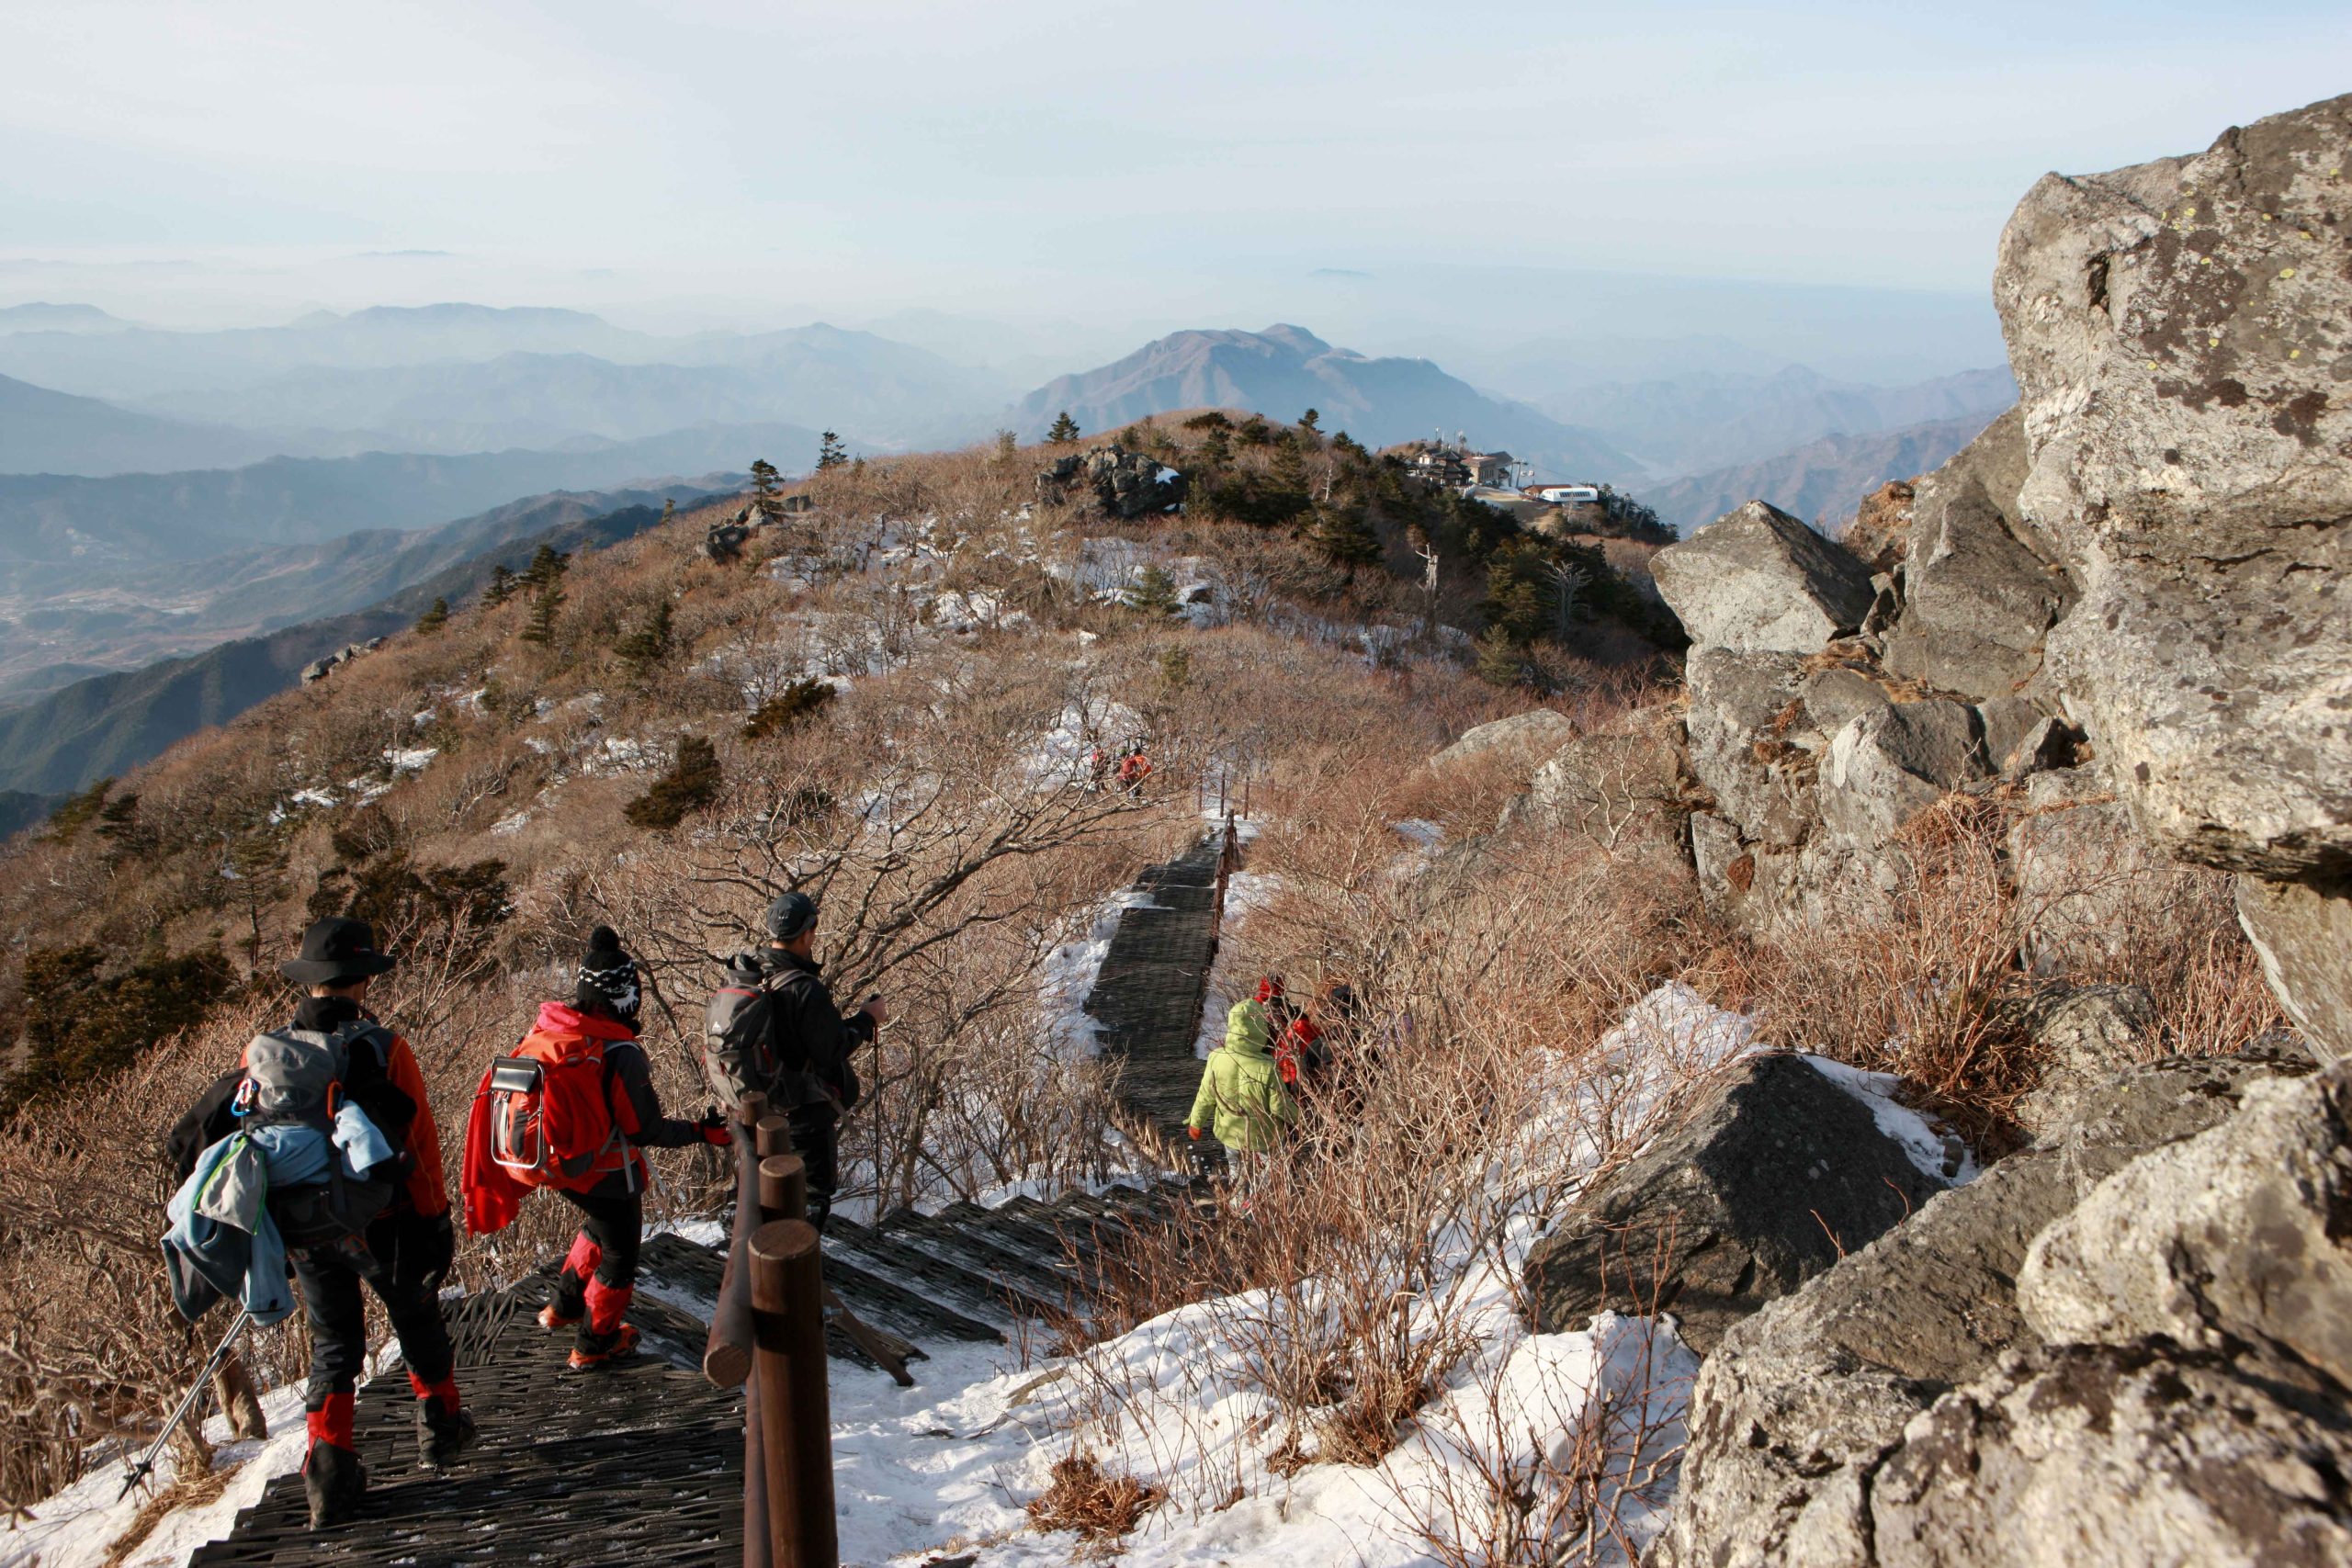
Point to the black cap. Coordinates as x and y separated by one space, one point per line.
334 950
791 915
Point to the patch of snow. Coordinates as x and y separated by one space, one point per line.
1420 832
1246 893
77 1527
319 798
411 760
1939 1154
507 826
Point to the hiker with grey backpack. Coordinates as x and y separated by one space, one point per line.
318 1152
773 1029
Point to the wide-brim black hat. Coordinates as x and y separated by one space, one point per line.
335 950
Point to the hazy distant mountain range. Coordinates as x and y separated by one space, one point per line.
1703 421
43 432
106 724
1822 480
460 379
1285 370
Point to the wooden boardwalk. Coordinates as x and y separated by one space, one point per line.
643 1463
1147 995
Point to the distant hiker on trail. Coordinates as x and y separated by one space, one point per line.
573 1110
773 1029
1242 1102
1134 768
391 1229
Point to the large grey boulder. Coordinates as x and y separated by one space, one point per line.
1755 1189
1889 763
1978 598
1613 787
2303 934
1758 580
2096 1456
1798 1407
1537 732
2084 1036
2236 1236
1745 721
2177 331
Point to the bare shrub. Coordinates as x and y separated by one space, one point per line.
1098 1507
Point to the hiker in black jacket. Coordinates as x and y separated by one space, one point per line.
599 1275
800 1057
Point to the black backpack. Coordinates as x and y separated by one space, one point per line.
739 1054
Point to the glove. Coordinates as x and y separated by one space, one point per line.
436 1243
714 1129
1195 1132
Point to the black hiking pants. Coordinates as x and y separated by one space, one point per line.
329 1280
816 1139
615 1227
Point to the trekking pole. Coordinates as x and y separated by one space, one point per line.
146 1465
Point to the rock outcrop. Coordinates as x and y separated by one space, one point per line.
1759 1184
1123 484
1758 580
1798 1417
1537 732
2121 616
318 669
2177 330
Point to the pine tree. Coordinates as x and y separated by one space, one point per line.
1153 592
763 477
643 650
548 565
1218 450
500 587
830 453
1344 537
1008 448
1064 430
435 616
540 628
669 507
1501 661
1311 420
786 711
691 785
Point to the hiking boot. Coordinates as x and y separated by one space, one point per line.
443 1431
553 1316
600 1350
332 1480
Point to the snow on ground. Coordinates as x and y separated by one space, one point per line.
78 1527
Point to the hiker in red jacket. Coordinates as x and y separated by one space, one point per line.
599 1275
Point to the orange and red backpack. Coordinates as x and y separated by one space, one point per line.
542 1117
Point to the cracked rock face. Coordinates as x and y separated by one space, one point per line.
1758 580
1796 1414
2178 332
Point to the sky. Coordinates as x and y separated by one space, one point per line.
1119 165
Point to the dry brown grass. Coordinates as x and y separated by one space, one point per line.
1100 1507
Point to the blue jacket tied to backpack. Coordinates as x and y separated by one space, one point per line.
223 1241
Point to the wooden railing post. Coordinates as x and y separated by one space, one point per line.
774 1135
795 1404
783 1189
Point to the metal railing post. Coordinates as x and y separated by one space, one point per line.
795 1404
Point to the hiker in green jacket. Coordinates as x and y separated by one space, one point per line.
1242 1102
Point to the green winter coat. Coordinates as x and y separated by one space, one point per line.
1242 1102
